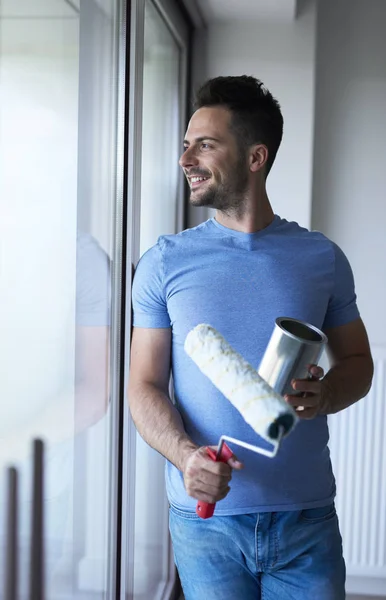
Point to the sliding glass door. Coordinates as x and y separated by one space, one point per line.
160 101
59 259
92 113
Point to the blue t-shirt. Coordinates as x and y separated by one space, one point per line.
240 283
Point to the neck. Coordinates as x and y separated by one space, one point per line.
255 214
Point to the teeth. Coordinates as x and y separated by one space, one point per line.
196 179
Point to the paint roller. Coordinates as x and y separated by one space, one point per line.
262 408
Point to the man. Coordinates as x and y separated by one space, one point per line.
275 533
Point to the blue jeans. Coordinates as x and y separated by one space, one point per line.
293 555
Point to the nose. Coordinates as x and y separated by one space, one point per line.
188 159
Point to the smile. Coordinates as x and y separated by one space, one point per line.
197 181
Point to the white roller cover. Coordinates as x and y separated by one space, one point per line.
240 383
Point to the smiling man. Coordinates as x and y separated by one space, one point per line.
210 182
275 534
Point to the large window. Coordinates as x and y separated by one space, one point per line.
58 205
88 162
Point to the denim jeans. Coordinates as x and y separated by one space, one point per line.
293 555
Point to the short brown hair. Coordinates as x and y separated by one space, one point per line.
256 114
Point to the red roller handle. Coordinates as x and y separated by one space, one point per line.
204 509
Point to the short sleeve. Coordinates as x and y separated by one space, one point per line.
342 306
93 285
148 294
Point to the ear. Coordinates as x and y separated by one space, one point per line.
258 157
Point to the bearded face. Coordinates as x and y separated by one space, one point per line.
214 164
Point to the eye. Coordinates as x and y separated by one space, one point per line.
185 147
205 146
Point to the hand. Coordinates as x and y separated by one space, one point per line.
207 480
312 399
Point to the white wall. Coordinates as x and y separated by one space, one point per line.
349 206
281 54
349 169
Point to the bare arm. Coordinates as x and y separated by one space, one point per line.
347 381
159 422
349 378
155 417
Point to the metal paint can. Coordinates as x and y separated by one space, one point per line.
293 346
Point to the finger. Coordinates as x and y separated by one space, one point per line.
205 482
306 385
204 496
202 463
207 478
307 414
214 466
235 463
207 456
213 477
209 470
211 487
315 371
297 401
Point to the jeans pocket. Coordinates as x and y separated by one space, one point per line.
318 515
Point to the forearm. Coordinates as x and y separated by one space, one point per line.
346 382
159 423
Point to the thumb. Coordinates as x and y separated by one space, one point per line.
235 463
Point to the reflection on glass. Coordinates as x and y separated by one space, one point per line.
159 195
57 112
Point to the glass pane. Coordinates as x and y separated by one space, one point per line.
159 196
160 130
57 203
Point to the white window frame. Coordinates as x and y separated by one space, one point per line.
180 31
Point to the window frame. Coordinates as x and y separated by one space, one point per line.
175 20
